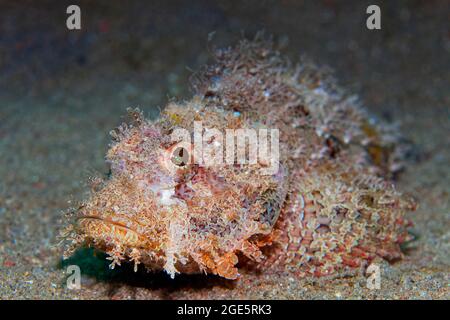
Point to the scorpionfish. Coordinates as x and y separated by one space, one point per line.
330 206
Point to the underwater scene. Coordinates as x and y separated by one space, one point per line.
223 150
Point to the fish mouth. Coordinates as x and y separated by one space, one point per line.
102 219
103 228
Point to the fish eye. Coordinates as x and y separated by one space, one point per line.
180 157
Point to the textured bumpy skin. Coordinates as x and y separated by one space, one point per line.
330 207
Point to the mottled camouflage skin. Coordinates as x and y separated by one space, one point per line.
330 208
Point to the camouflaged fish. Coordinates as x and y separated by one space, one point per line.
328 208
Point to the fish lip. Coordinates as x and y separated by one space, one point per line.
140 239
106 220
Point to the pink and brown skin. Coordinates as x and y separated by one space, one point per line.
330 208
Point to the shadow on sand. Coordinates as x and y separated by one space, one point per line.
93 264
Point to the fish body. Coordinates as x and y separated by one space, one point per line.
321 204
